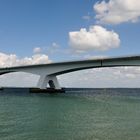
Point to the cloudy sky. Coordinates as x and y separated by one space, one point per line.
45 31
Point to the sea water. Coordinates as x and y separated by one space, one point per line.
81 114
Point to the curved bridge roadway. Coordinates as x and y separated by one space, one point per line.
48 72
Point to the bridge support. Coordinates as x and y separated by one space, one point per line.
50 80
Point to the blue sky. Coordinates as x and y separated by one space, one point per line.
26 24
46 24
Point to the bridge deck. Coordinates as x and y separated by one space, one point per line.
106 59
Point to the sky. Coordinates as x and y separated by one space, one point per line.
46 31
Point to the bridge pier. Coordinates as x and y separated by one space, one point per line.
50 80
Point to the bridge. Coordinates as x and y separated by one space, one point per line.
48 72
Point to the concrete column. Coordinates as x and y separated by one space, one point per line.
50 80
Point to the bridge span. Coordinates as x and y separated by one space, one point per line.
48 72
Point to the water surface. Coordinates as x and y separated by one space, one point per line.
99 114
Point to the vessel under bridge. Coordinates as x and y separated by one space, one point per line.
48 72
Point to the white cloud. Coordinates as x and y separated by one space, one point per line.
55 45
13 60
88 56
117 11
37 50
86 17
102 77
53 49
96 38
14 79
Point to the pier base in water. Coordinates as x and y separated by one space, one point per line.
47 90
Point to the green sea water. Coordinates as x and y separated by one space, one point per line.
98 115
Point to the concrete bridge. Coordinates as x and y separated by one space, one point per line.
48 72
